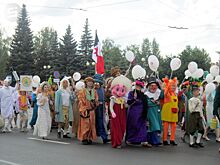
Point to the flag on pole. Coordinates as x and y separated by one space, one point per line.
97 56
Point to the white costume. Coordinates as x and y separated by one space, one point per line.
6 105
43 124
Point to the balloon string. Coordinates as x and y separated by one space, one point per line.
182 83
127 71
171 75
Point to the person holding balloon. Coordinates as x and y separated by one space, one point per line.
136 131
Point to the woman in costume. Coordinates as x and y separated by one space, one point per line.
43 124
136 131
154 94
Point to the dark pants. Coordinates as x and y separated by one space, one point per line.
34 116
195 123
100 129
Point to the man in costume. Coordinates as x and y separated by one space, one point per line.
100 110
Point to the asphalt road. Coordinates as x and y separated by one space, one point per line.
18 148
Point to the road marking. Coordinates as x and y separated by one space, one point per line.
50 141
7 162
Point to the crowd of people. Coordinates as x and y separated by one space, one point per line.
143 112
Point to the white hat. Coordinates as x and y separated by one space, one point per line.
121 80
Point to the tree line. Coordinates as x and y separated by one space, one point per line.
31 54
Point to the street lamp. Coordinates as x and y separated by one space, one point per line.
143 59
46 67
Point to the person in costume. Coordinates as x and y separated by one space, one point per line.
196 118
209 115
7 103
119 87
53 89
34 105
63 107
100 110
154 94
23 110
170 110
88 101
43 124
216 106
115 71
136 128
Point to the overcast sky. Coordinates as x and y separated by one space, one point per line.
128 21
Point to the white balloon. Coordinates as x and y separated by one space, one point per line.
129 55
209 78
214 70
192 67
198 73
76 76
217 78
36 79
138 72
80 85
175 64
210 87
187 73
153 62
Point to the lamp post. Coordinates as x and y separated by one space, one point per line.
46 67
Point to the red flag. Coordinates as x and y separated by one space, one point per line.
97 56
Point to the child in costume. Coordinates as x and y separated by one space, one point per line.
196 118
23 110
119 86
170 110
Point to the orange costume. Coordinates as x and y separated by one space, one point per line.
170 110
86 128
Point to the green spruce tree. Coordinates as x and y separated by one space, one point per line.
44 52
21 50
68 50
4 54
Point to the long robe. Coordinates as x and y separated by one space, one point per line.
43 124
136 131
87 127
7 101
